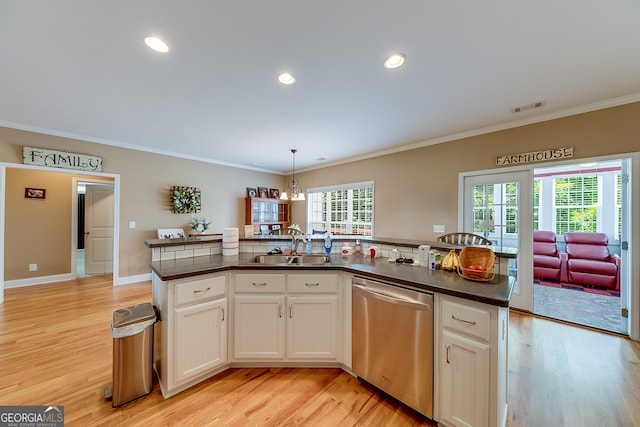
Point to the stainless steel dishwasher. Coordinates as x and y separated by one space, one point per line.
393 341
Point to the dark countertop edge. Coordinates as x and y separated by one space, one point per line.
501 300
502 252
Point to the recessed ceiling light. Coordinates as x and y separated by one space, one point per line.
156 44
286 78
395 60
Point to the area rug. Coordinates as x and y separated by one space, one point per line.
575 287
578 306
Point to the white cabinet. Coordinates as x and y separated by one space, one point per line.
200 338
465 381
471 356
286 316
191 337
258 324
312 327
258 316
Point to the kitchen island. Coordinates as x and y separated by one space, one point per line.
219 312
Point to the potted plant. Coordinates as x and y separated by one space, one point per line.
199 225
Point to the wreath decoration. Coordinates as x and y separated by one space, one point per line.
185 199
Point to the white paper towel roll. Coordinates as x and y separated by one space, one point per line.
230 241
230 232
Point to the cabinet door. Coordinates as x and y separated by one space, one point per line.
200 338
258 327
312 327
464 380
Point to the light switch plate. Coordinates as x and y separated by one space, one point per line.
438 228
132 224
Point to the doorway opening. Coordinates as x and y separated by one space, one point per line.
94 225
579 223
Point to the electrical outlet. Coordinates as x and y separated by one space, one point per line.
33 267
438 228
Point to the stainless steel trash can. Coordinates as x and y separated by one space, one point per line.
132 332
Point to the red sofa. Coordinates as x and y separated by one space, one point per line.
546 258
589 261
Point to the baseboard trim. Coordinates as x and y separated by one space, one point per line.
132 279
42 280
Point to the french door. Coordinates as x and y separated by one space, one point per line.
499 207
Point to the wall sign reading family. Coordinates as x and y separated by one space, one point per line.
535 156
60 159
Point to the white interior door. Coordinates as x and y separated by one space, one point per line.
499 206
98 231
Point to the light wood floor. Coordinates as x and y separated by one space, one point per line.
56 349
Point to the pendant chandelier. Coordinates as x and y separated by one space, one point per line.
297 193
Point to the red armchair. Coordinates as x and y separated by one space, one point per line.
589 261
546 259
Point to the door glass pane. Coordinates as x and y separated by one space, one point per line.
495 212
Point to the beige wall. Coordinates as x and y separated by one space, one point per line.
414 189
419 188
37 228
145 180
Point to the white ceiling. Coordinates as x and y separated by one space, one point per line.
80 69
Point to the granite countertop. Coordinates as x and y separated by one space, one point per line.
500 251
497 292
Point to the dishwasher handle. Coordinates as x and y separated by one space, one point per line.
391 299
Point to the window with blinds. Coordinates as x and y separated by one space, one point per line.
576 204
588 201
344 209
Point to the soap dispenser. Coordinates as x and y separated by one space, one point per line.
327 243
309 247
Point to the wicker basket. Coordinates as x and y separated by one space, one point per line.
475 256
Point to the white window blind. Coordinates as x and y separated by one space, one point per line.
577 203
343 209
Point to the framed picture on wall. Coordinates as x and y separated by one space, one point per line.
274 193
35 193
263 192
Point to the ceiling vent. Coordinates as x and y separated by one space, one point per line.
522 108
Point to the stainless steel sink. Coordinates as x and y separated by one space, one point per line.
291 259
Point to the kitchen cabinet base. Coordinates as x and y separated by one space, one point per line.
182 387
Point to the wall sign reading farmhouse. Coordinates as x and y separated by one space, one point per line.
60 159
535 156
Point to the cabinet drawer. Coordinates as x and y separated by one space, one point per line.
312 283
470 320
259 283
200 290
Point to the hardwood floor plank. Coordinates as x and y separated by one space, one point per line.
570 376
56 348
